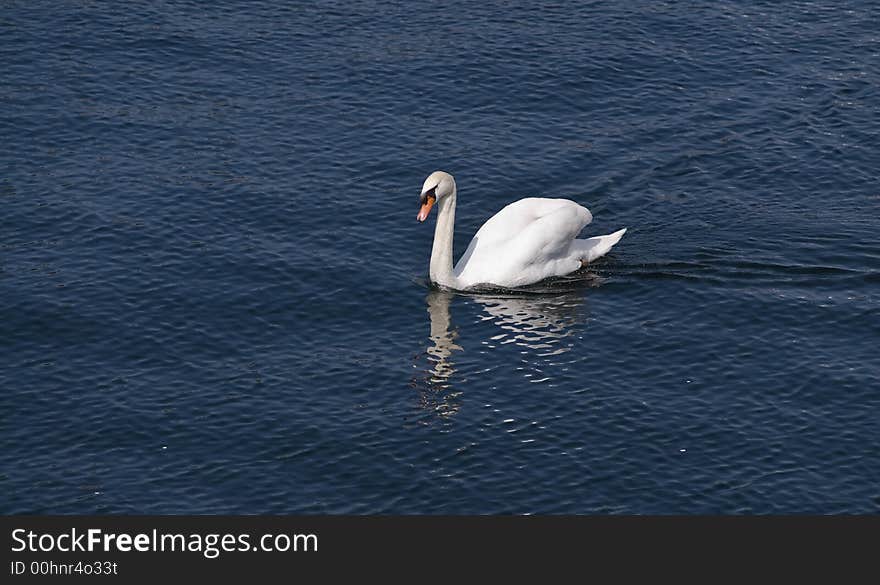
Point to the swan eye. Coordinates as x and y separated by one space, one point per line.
432 193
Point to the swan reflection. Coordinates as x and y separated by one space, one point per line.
542 324
438 395
539 326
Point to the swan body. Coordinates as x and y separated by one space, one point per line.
527 241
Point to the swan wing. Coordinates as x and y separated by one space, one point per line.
527 241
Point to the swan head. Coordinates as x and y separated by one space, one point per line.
438 185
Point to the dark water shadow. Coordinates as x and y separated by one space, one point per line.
580 280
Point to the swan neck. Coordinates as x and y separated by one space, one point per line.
441 254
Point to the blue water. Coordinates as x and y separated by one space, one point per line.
212 283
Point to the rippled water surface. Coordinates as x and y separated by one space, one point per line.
212 283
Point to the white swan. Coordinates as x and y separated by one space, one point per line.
527 241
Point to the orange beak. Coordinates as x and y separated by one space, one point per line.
428 201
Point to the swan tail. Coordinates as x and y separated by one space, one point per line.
592 248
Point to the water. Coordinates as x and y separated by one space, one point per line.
212 283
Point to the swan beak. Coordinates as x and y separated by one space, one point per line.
427 201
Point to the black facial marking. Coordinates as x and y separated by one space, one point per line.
429 193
